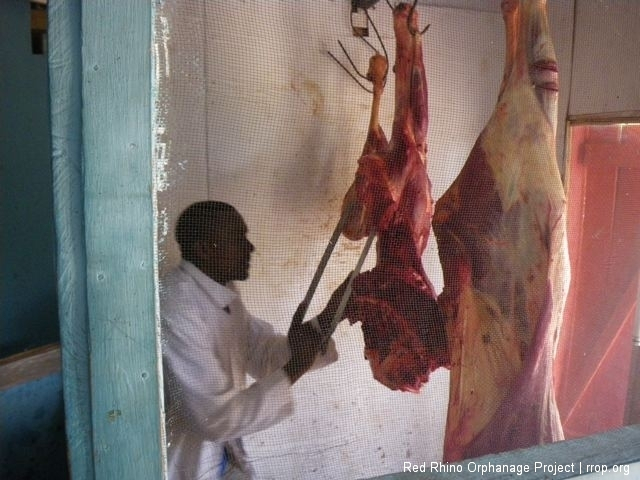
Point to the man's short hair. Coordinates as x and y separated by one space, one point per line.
199 221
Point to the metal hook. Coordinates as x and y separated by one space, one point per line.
370 46
352 64
378 37
409 27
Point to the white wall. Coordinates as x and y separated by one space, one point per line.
606 58
257 114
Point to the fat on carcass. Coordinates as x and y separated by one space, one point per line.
402 324
501 236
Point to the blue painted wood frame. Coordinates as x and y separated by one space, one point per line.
102 140
65 84
119 235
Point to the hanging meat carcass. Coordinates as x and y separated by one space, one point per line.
367 186
501 236
403 326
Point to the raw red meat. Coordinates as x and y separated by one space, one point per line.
367 184
501 236
403 326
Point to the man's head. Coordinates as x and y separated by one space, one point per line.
213 236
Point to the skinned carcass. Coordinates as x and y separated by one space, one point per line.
501 236
403 326
368 186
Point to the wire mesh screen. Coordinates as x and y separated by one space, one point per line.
254 112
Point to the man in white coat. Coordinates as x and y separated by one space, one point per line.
211 343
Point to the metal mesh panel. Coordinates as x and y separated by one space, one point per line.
253 111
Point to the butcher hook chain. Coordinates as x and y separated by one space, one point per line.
370 46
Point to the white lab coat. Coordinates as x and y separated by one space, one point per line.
210 343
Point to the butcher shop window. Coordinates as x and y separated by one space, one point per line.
596 372
458 263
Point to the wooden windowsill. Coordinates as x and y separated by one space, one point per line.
30 365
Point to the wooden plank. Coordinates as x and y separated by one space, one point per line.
119 233
65 82
615 448
30 365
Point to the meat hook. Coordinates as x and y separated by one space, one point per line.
409 27
304 305
370 46
337 318
347 70
369 19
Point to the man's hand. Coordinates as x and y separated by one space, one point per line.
304 342
325 318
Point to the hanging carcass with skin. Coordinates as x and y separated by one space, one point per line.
502 243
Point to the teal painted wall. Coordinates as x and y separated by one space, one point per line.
28 305
32 440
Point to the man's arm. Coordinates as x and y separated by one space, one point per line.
201 362
306 341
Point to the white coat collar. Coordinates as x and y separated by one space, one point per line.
220 295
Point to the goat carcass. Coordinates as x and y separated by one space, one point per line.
403 326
